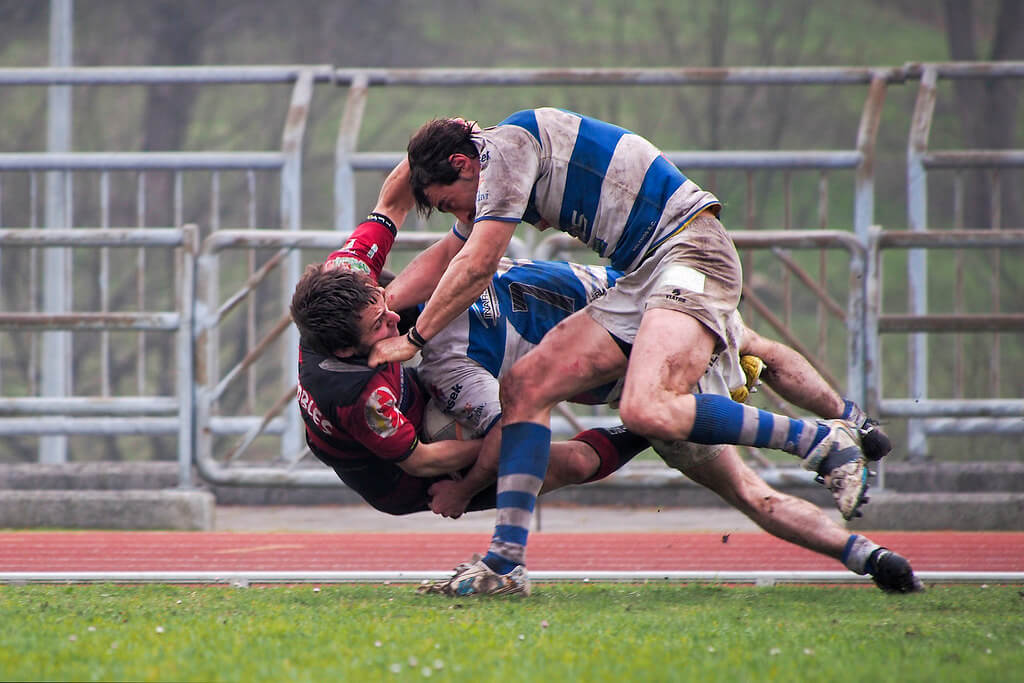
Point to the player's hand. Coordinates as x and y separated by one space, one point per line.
391 350
447 499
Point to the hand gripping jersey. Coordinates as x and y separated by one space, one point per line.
606 186
361 421
524 301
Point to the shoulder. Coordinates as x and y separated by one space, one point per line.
340 380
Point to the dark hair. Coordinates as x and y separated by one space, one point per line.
429 149
327 304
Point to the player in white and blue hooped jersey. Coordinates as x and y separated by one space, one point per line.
525 300
659 326
610 188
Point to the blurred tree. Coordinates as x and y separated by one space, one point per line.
988 109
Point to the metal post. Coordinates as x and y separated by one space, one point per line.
344 175
291 219
917 259
863 218
56 371
185 352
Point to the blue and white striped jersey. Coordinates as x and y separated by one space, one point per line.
606 186
524 301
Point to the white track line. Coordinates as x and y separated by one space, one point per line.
242 577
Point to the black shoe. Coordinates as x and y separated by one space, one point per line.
892 572
873 441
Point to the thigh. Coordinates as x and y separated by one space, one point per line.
575 356
671 353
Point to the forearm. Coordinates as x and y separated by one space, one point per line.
485 470
793 377
396 199
462 282
415 283
441 457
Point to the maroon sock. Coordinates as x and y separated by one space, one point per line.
615 447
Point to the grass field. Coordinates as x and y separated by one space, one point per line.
587 632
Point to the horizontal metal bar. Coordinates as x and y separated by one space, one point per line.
90 321
130 161
95 426
974 425
128 75
242 578
1008 69
304 239
91 237
766 159
621 76
974 158
241 424
89 405
931 407
951 239
952 322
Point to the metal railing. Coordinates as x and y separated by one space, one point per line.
62 167
227 428
110 415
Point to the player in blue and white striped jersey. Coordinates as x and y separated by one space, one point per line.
525 301
660 325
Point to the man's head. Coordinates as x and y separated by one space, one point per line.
341 312
444 168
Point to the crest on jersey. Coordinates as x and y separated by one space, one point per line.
349 262
382 414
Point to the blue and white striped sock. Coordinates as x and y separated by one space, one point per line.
857 554
525 449
722 420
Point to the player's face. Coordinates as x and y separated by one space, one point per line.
376 322
459 198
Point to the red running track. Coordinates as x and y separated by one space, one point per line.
89 551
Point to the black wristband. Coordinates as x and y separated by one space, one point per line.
383 220
415 338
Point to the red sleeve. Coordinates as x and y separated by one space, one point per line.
367 247
376 422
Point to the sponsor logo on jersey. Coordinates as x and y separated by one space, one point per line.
453 396
486 307
382 414
309 407
485 157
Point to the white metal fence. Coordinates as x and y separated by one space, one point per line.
230 403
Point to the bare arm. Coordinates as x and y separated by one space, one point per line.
450 498
467 276
395 199
417 280
440 457
792 376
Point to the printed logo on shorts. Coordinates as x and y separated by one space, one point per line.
382 414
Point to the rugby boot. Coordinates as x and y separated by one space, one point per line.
476 578
874 442
841 467
892 573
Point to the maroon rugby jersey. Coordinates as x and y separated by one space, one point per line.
359 418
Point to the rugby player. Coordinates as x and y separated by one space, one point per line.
659 327
356 422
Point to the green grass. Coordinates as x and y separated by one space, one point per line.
583 632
